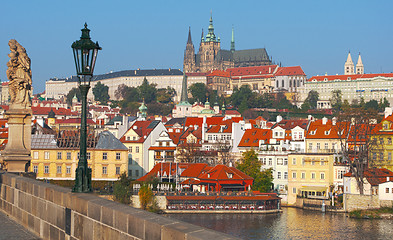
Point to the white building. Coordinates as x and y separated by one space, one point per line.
163 78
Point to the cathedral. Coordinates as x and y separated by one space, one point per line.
210 56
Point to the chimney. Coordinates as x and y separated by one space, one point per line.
388 111
278 118
324 120
334 120
387 179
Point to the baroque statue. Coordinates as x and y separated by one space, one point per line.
19 74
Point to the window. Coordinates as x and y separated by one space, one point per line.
35 155
104 156
285 161
117 170
46 169
130 149
381 156
389 156
374 156
104 170
58 155
390 141
279 161
322 162
293 161
285 175
68 155
35 169
270 162
137 173
130 173
310 146
318 146
294 175
137 149
387 190
326 145
46 155
322 175
312 175
58 170
294 190
68 170
278 175
312 162
88 155
303 175
118 156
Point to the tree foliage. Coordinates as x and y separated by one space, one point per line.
146 196
147 91
70 95
251 166
121 192
312 99
336 100
100 92
198 92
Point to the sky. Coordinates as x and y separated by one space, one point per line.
313 34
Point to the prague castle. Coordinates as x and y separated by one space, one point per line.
210 56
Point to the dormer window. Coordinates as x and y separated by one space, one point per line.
230 175
385 126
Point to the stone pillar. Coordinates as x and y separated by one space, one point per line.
17 154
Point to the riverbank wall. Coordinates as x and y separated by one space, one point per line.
54 212
358 202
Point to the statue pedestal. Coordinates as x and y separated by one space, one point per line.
17 154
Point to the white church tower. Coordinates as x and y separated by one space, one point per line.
359 66
349 67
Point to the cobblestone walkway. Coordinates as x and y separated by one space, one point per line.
10 230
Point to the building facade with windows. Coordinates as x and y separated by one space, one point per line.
57 157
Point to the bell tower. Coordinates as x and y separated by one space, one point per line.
189 55
349 67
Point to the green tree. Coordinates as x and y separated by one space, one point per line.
147 91
121 188
238 95
251 166
312 99
121 91
146 196
372 104
100 92
336 100
131 95
70 95
198 92
383 104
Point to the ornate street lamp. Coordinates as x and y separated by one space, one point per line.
85 55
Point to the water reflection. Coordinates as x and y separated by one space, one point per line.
292 224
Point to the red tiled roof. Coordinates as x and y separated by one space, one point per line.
197 74
375 176
290 71
140 127
74 121
5 83
194 170
251 137
191 121
318 130
218 73
348 77
225 198
256 71
222 172
58 111
290 124
165 169
162 148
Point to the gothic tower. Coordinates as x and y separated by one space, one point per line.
189 55
359 66
349 66
210 45
233 41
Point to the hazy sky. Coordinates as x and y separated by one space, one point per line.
316 35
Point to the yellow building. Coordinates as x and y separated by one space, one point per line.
382 150
310 175
57 158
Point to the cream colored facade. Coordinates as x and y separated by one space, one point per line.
369 88
57 88
60 164
309 174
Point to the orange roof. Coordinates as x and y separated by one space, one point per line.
162 148
225 198
252 136
74 121
141 128
170 169
290 124
194 170
190 74
318 130
191 121
223 172
218 73
256 71
57 111
348 77
290 71
375 176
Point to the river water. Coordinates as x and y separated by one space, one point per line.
292 223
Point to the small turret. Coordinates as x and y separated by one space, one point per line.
359 66
349 67
233 41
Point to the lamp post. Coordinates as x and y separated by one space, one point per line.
85 55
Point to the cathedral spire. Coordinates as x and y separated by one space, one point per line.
349 66
202 39
184 95
189 40
233 41
210 36
359 66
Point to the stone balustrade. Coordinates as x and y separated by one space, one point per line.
54 212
